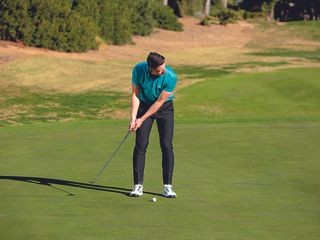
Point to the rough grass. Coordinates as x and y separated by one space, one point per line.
30 107
304 29
67 75
294 35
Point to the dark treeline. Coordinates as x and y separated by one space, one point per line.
76 25
281 10
286 10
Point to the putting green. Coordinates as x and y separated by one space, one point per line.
233 180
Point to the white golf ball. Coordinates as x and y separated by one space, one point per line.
154 199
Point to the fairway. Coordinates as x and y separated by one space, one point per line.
233 180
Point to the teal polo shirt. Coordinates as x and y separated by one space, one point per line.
151 88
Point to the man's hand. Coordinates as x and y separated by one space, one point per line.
138 123
134 125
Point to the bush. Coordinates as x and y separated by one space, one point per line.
115 22
47 24
15 22
59 28
208 20
74 25
165 18
142 17
250 15
87 8
227 16
80 33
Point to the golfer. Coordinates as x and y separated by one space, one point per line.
153 84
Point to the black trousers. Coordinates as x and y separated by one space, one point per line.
165 123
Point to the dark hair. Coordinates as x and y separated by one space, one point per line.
154 60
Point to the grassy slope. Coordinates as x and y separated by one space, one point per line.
234 181
290 94
284 94
305 29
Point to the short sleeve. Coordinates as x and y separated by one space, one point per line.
170 85
135 79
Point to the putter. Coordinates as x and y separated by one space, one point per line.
112 155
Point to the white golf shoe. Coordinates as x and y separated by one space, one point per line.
137 191
168 192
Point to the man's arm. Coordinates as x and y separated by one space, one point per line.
135 102
153 109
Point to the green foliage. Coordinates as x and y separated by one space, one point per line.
74 25
88 8
165 18
47 24
115 22
15 23
80 33
50 26
142 17
122 29
59 28
253 15
227 16
208 20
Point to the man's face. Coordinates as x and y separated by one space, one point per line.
159 70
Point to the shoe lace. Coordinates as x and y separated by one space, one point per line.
168 188
137 188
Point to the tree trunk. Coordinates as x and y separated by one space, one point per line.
165 2
224 3
207 7
273 5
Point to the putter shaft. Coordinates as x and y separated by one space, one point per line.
112 155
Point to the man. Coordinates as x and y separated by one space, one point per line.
153 84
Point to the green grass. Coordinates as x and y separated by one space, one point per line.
288 94
282 52
45 107
305 29
234 181
254 64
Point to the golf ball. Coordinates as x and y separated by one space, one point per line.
154 199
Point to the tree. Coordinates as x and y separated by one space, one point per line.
165 2
207 5
224 3
268 8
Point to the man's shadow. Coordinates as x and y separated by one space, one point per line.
50 181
